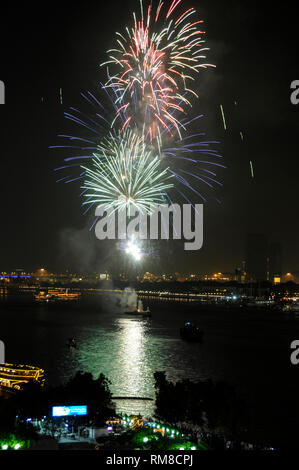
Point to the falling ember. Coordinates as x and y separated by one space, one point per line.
60 96
223 117
251 169
242 136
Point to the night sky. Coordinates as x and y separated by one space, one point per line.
255 47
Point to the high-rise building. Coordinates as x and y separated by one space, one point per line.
240 274
263 258
274 260
256 257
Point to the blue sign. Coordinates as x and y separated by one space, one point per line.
69 410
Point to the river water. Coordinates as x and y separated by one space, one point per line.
249 349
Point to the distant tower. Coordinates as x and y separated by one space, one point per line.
256 257
275 260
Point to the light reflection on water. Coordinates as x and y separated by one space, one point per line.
131 357
122 355
128 351
238 347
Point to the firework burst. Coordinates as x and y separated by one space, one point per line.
156 61
125 174
139 151
191 161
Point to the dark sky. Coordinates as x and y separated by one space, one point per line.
255 47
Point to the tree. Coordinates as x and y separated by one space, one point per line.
83 389
213 406
35 402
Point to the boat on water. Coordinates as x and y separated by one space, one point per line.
59 294
15 376
72 344
140 312
191 332
291 307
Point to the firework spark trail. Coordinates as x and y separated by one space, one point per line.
124 174
189 160
156 58
252 173
198 169
96 124
223 117
251 169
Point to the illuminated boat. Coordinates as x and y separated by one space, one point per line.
15 376
56 294
140 312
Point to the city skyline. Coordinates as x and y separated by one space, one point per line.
238 275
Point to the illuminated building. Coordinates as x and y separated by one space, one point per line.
148 277
104 276
15 275
223 277
263 258
240 275
289 277
180 278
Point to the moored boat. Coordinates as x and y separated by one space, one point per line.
140 312
15 376
72 344
46 295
